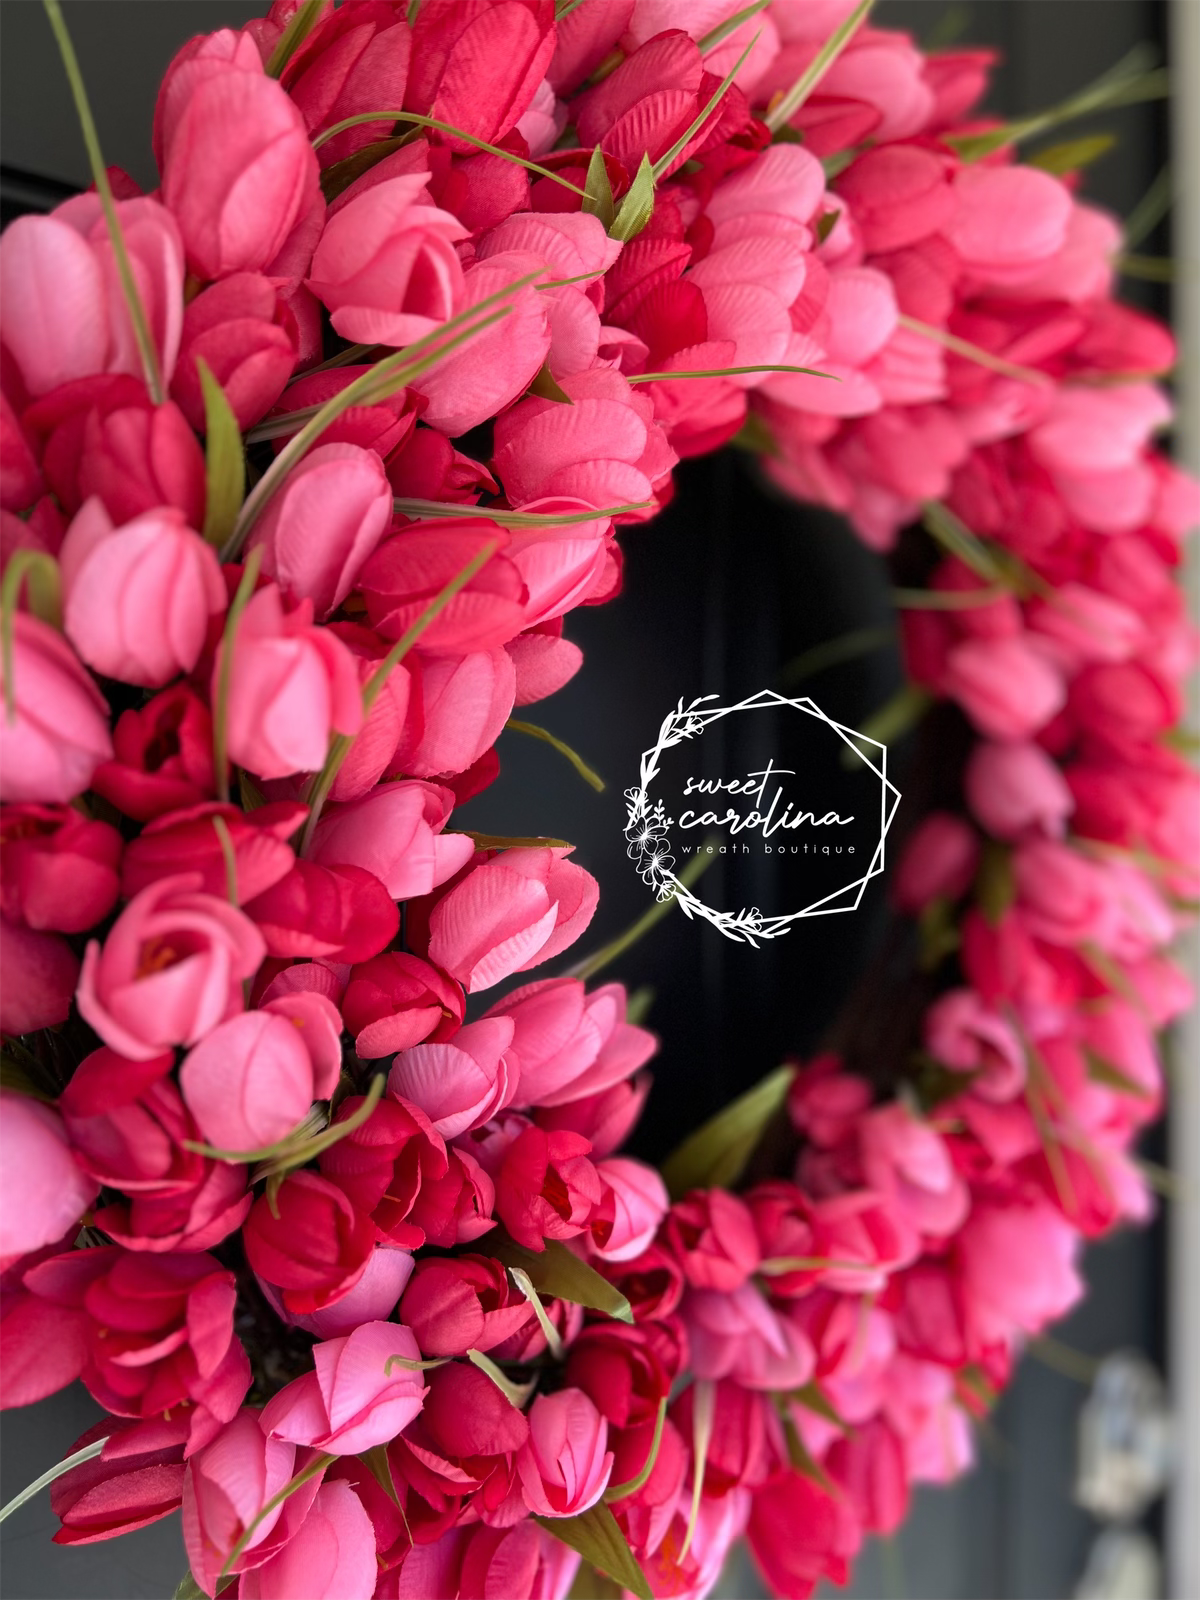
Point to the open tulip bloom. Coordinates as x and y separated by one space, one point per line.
344 1243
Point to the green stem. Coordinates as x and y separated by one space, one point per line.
974 352
591 965
725 372
88 1453
514 519
314 1468
588 774
40 571
240 601
129 288
782 112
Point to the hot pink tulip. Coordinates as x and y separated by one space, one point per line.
355 1399
65 259
385 267
312 1244
1016 789
40 973
508 914
939 860
252 1079
450 39
967 1036
341 914
395 832
248 340
162 756
1007 687
907 1160
323 524
45 1189
331 1556
544 660
187 841
58 869
138 597
464 1082
352 62
800 1533
455 1304
565 1464
1017 1265
226 1487
60 735
713 1235
20 475
571 1044
372 1299
1007 220
397 1000
136 1480
238 169
170 969
411 568
546 1187
292 684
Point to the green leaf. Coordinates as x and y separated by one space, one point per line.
517 1394
547 387
338 177
553 1338
995 885
308 1149
189 1589
559 1274
725 372
313 1470
622 1491
713 38
812 1399
786 107
39 573
303 20
956 538
637 207
1103 1071
88 1453
564 749
637 1006
509 841
937 933
716 1155
598 198
892 721
947 599
515 519
147 349
826 223
1073 154
225 460
803 1463
595 1535
665 162
378 1464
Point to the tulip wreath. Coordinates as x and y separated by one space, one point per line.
307 457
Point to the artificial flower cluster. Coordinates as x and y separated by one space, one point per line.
460 281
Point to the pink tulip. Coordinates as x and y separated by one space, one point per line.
372 1299
250 1081
464 703
459 1303
1016 789
800 1533
138 597
899 194
1016 1260
66 259
170 969
292 684
40 974
1007 687
352 62
323 524
495 367
965 1035
227 1486
395 832
738 1335
238 169
938 862
1007 220
713 1235
544 660
162 756
187 841
248 340
637 1198
20 475
605 1120
355 1399
60 735
385 267
1065 897
58 869
371 754
565 1465
450 38
464 1082
410 569
510 913
45 1190
605 449
397 1000
907 1160
571 1044
331 1556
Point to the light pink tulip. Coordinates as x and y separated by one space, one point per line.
352 1401
170 969
967 1036
65 260
508 914
637 1198
1008 687
40 974
395 832
544 660
1007 220
251 1080
60 734
738 1335
226 1486
464 704
45 1191
385 267
463 1082
571 1044
238 169
292 685
138 597
323 524
907 1160
372 1299
565 1464
1016 789
331 1556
